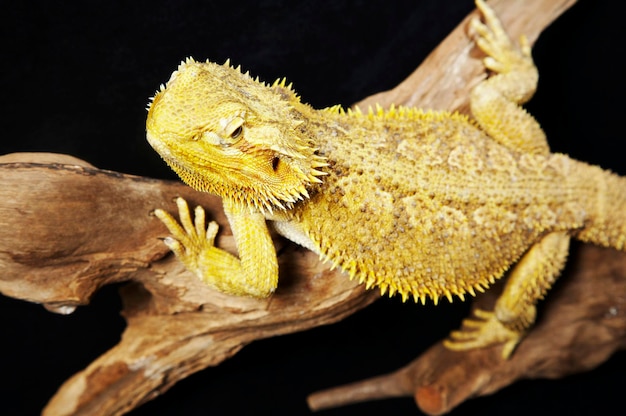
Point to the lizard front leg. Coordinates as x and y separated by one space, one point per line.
254 274
515 309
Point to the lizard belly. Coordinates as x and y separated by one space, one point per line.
294 232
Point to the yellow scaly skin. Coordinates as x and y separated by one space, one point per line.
424 204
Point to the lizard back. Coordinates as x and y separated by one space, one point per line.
426 204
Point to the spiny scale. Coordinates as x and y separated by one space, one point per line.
397 113
391 289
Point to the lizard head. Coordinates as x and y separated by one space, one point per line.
226 133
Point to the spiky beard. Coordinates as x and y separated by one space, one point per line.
258 196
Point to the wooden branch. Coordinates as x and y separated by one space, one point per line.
69 228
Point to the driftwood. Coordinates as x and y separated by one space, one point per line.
69 229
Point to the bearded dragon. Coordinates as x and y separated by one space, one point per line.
417 203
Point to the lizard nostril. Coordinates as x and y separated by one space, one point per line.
275 162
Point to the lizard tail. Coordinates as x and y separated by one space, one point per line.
606 225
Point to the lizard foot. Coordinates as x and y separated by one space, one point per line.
502 55
192 238
482 331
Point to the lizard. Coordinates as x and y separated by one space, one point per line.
424 204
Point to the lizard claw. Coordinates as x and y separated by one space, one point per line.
482 331
188 238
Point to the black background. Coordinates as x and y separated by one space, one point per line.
76 80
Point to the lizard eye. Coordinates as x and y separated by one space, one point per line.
236 133
232 128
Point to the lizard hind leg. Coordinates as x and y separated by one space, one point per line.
495 102
515 309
